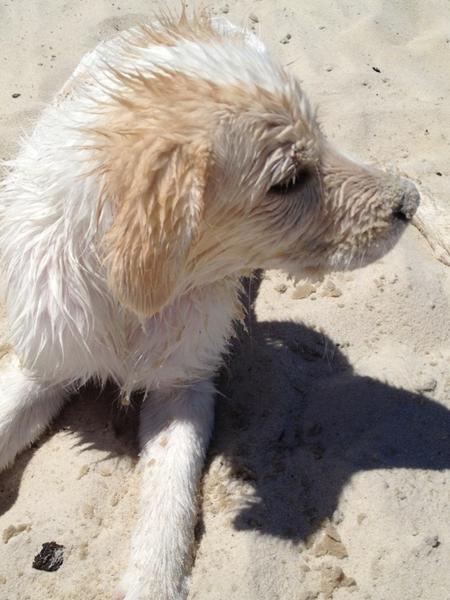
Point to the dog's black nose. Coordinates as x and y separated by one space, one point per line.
409 201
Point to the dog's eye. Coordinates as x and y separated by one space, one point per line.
293 183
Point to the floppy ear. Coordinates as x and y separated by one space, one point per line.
158 209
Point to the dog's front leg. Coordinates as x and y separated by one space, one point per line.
27 405
174 432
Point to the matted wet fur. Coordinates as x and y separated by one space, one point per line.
178 158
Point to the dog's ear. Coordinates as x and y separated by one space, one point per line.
157 213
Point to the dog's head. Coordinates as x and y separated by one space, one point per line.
214 164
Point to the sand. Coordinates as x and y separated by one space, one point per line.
328 476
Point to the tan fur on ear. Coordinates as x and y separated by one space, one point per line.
156 221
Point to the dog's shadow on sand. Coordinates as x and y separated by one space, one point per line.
292 418
297 422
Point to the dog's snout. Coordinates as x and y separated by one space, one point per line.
409 201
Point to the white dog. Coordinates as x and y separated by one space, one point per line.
176 159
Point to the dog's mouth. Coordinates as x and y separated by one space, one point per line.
349 255
361 256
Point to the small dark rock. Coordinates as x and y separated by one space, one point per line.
15 95
432 541
50 558
438 173
376 69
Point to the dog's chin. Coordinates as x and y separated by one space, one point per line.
343 260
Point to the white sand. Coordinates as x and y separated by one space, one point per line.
329 473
